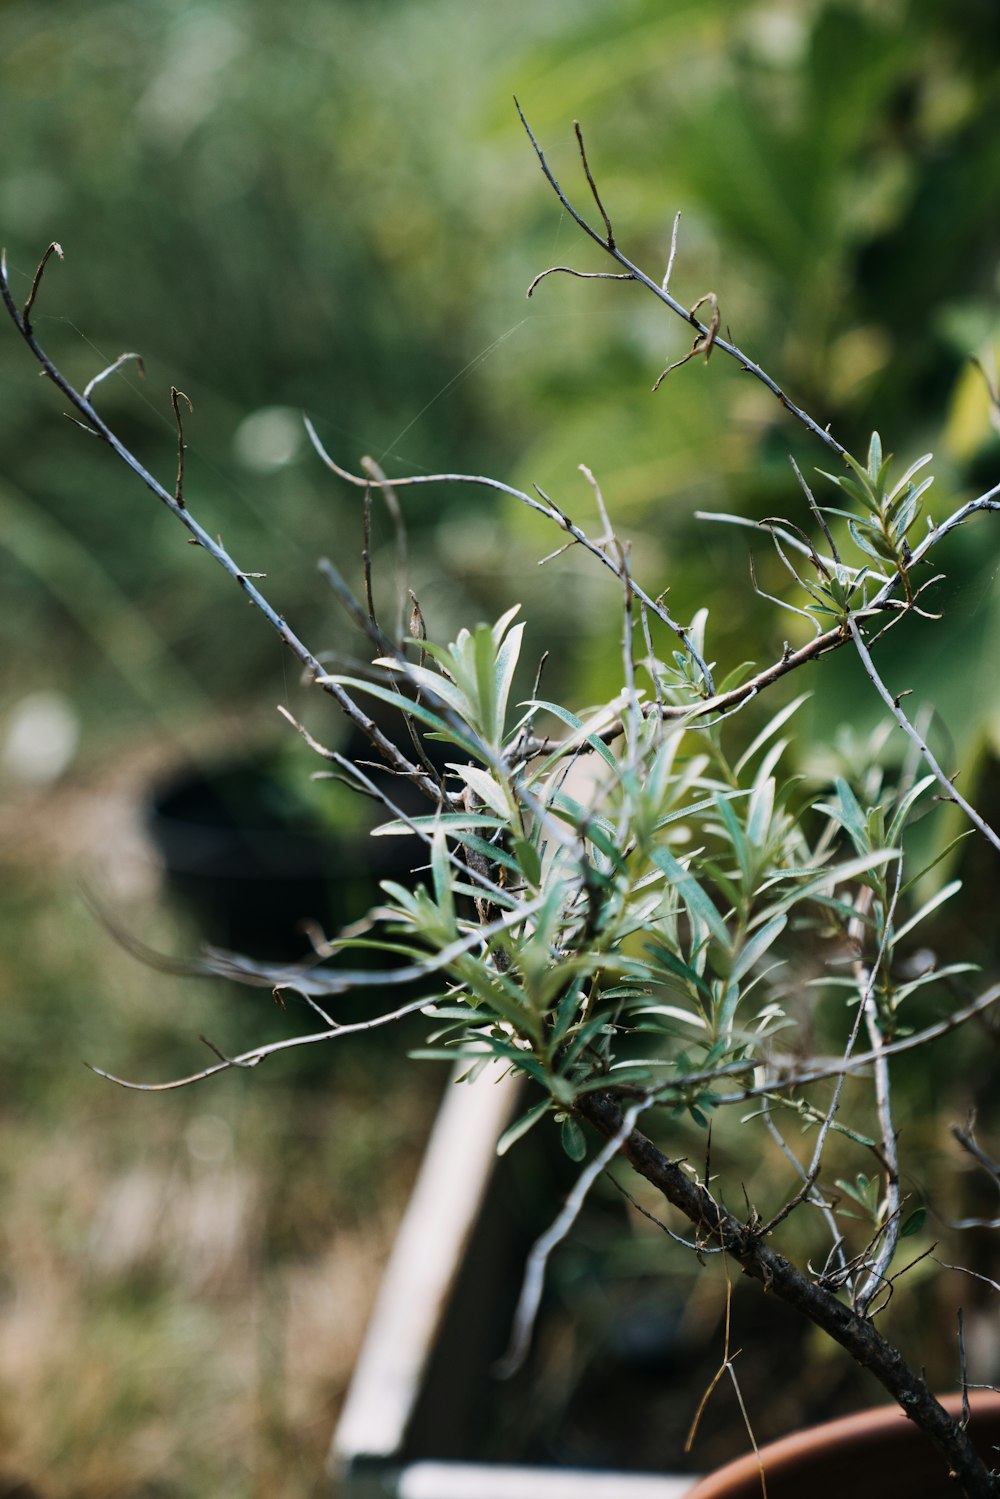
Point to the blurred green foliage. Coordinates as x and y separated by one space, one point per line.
332 208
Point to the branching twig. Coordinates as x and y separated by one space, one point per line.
385 747
967 1139
702 329
545 507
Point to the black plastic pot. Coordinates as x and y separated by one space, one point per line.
248 859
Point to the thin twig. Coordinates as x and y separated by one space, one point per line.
399 532
538 1257
176 396
892 703
963 1367
781 1278
811 1176
366 561
967 1139
88 389
53 249
692 1244
610 240
292 978
665 283
818 515
892 1215
568 270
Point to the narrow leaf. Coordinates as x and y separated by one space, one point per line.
756 947
521 1126
692 894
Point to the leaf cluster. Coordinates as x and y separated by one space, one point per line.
642 907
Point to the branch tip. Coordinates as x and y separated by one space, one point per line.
111 369
53 249
610 240
176 396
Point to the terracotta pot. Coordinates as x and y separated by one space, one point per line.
877 1454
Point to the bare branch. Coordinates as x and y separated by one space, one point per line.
817 513
659 291
394 508
385 747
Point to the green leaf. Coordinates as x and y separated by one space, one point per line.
567 1011
674 1012
925 910
451 735
760 812
581 735
488 790
675 965
858 492
756 947
529 860
487 684
694 897
499 630
737 838
439 688
850 816
506 663
902 811
441 873
573 1140
904 479
769 730
873 545
907 514
521 1126
914 1223
452 822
